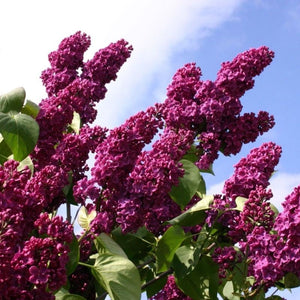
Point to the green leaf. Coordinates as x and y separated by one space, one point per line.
167 246
291 280
63 294
185 260
72 297
202 282
31 109
26 162
12 101
76 122
192 154
201 191
60 293
73 256
20 132
195 215
136 245
209 170
228 291
106 243
188 184
5 151
275 210
84 218
274 297
118 276
240 202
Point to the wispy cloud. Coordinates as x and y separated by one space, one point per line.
282 184
293 18
157 30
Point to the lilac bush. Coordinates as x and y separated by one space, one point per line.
147 223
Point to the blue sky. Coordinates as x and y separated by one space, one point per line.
165 35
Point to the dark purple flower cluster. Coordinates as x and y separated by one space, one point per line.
65 62
116 157
170 292
250 180
35 267
70 91
275 254
74 149
253 171
236 77
212 109
257 211
287 225
135 184
226 258
260 248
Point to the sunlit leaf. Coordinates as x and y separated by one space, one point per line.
20 133
106 243
31 109
240 202
76 122
195 215
63 294
85 218
118 276
26 162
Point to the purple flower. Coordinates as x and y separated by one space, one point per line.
253 171
235 77
38 276
287 225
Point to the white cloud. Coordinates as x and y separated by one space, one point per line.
215 189
282 184
157 29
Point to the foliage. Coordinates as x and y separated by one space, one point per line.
147 223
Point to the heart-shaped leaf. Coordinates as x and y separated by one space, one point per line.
12 101
20 132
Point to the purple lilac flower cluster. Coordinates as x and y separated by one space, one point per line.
34 247
71 92
275 254
260 248
42 261
194 110
252 226
287 225
226 257
212 109
253 171
23 198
